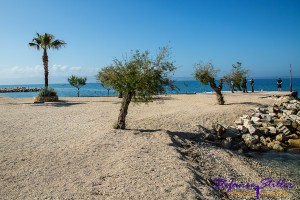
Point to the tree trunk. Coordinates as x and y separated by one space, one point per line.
46 71
120 95
78 92
123 111
218 91
220 97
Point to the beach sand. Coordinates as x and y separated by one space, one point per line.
69 150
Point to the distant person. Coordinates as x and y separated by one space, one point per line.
232 86
279 84
244 85
252 84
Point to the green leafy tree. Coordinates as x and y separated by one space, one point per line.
109 73
237 75
46 41
77 82
206 74
108 88
139 78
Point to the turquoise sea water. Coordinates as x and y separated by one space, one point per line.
189 86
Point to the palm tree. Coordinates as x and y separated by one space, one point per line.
46 41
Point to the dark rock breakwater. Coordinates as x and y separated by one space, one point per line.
18 89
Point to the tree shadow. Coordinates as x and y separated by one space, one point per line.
177 139
10 103
148 130
60 103
100 101
248 103
163 98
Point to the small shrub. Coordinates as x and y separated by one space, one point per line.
47 92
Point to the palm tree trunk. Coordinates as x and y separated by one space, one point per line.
123 111
78 92
46 71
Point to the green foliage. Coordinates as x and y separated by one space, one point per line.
46 41
140 75
47 92
205 73
77 82
107 87
237 75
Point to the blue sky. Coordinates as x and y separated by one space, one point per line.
262 34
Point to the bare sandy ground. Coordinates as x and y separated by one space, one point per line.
68 149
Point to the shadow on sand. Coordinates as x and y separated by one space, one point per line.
248 103
60 103
194 138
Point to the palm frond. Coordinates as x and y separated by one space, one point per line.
46 41
36 40
57 44
34 45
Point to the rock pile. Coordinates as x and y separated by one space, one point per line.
276 127
18 89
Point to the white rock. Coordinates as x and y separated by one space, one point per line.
249 139
252 129
283 129
239 121
294 117
247 123
255 119
287 112
246 117
272 130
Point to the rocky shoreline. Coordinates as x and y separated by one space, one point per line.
18 89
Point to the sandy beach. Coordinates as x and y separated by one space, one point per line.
69 150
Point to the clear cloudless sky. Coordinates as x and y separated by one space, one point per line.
262 34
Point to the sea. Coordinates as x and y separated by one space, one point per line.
184 86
